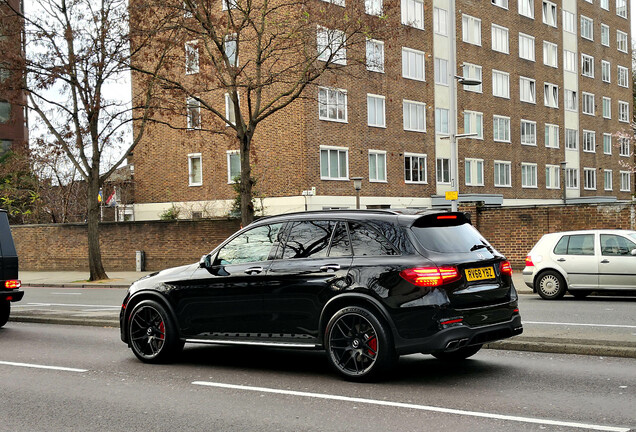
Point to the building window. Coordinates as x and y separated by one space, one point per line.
441 120
552 177
587 65
550 54
413 13
606 71
621 41
500 3
528 132
551 135
623 146
549 13
414 168
499 39
621 8
377 166
375 55
472 72
623 77
334 163
502 174
625 181
605 35
375 110
441 71
571 178
474 172
192 57
607 108
336 2
193 109
587 28
500 84
501 128
527 90
471 30
588 103
551 95
569 20
607 183
607 143
442 171
605 4
589 141
414 116
195 174
331 45
228 4
623 111
231 49
5 112
528 175
526 47
440 21
233 166
570 101
474 124
569 61
332 104
526 8
413 64
589 175
571 139
230 113
372 7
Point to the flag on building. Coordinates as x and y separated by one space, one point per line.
100 197
112 200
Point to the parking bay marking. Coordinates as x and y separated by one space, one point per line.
415 407
36 366
580 324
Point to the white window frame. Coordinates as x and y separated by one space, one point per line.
569 133
527 90
331 45
526 47
624 147
413 13
605 35
569 22
551 95
589 141
626 183
475 122
608 180
339 150
525 125
529 182
231 49
325 94
193 113
606 71
409 110
473 72
552 176
380 165
442 171
500 84
587 65
413 110
551 136
607 107
605 4
373 7
623 111
229 155
607 143
572 178
500 3
440 21
377 103
550 54
621 8
375 55
471 30
526 8
588 103
229 110
441 71
589 176
507 165
570 62
500 39
496 130
587 28
419 157
623 76
441 121
550 13
192 57
191 178
473 171
570 100
413 62
621 41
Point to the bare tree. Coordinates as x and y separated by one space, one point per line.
76 50
261 54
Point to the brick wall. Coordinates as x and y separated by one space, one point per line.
512 230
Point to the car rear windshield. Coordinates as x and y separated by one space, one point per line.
448 235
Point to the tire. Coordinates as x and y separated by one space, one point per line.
5 310
550 285
359 346
458 354
580 294
152 335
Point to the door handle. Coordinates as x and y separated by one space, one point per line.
605 261
330 267
254 270
561 260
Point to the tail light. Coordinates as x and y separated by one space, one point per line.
12 284
529 262
505 268
430 276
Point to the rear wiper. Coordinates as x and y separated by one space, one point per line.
479 246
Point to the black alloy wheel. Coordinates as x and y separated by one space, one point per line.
550 285
151 333
5 310
458 354
358 345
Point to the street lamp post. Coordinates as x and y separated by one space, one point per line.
563 164
357 185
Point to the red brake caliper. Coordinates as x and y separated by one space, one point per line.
373 345
163 330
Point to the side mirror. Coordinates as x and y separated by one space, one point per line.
633 252
205 261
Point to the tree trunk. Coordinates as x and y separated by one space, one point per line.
94 250
247 207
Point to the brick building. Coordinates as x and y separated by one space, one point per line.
555 89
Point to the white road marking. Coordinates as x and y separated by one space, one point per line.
65 293
580 324
65 304
36 366
416 407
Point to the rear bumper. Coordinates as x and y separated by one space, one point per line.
11 295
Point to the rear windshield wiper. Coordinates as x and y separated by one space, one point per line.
479 246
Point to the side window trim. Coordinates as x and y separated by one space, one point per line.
333 233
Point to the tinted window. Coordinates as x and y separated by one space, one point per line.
579 244
614 245
368 242
251 246
458 238
340 244
308 239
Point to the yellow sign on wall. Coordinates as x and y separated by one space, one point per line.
452 195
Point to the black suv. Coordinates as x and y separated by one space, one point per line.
366 286
9 283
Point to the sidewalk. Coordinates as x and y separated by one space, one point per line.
78 279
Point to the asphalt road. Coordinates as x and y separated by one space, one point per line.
104 387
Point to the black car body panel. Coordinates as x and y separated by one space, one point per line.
314 263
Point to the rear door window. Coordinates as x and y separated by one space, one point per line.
577 244
615 245
368 242
309 239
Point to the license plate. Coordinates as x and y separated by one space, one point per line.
480 273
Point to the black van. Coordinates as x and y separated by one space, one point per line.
9 284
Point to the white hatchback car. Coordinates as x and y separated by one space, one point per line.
581 262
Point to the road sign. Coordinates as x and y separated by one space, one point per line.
451 195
